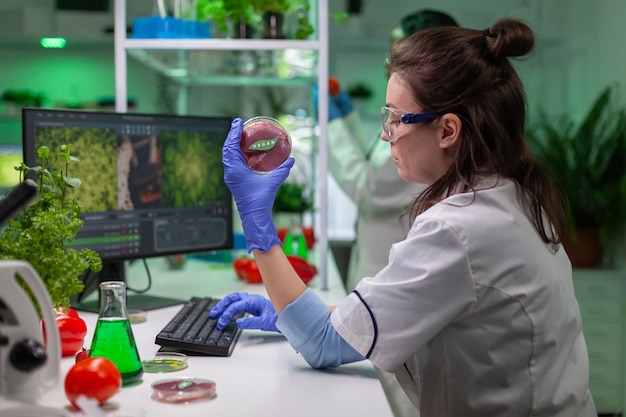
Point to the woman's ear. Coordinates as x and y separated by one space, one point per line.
451 126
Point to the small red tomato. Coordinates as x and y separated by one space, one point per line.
333 86
82 354
96 378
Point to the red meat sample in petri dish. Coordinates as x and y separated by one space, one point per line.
265 144
183 390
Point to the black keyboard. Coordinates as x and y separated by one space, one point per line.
192 330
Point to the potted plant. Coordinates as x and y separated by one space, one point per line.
274 11
290 204
291 197
40 234
239 13
588 163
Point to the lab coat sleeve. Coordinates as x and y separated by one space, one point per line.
427 284
347 157
306 324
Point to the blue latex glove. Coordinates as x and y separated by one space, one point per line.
338 107
253 193
263 313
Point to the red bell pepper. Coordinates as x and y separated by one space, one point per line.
247 269
304 269
72 331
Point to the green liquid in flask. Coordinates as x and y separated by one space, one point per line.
114 340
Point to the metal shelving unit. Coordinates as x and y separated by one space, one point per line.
124 45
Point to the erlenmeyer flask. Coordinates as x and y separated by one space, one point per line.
113 338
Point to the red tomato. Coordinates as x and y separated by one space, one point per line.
251 273
96 378
239 265
333 86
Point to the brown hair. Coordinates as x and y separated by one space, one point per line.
467 72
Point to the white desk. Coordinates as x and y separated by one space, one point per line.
263 377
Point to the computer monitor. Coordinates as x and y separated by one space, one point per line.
152 185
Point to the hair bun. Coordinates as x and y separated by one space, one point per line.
509 38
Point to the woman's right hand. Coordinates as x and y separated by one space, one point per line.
253 193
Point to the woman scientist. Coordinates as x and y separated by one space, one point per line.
475 311
363 168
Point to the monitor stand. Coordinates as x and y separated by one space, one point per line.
116 271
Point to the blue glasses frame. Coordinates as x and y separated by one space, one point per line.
405 118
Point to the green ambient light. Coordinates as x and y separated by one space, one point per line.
53 42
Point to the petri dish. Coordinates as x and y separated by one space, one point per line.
137 316
265 144
183 390
164 362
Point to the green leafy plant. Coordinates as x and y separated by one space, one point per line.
292 198
40 234
588 162
299 9
360 90
221 12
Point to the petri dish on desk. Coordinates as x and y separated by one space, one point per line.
137 316
164 362
183 390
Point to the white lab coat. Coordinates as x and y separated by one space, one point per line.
475 314
362 167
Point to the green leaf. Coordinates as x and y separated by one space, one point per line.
43 152
263 145
72 182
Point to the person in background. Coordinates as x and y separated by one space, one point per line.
362 166
475 311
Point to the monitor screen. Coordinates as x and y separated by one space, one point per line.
152 185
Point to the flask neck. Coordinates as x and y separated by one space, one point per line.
113 300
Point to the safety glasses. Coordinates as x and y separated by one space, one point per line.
390 123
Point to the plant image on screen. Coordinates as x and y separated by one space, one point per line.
95 149
192 168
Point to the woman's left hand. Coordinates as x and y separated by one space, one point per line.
263 314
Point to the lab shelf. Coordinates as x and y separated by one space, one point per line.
138 48
220 44
193 68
